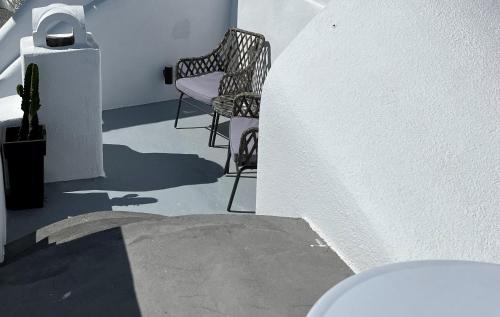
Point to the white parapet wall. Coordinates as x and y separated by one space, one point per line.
70 87
9 116
137 39
380 125
279 20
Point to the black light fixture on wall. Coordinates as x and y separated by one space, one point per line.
168 74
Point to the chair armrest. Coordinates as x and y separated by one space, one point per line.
196 66
248 147
247 104
237 82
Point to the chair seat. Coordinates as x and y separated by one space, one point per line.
237 126
203 88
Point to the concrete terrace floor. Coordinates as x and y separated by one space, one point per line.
150 167
152 238
141 265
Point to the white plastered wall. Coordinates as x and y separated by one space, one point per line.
8 117
279 20
137 39
383 131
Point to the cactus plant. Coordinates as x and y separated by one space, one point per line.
30 127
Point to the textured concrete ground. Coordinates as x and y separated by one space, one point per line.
121 264
150 167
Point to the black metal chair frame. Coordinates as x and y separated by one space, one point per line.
245 105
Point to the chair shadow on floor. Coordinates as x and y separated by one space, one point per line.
126 171
151 113
131 171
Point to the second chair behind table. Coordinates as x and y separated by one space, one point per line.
243 137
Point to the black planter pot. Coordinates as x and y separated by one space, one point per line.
23 169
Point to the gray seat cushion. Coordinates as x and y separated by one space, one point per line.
237 126
203 88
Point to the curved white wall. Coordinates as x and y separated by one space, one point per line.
136 40
384 131
279 20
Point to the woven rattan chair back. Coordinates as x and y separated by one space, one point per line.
239 49
262 67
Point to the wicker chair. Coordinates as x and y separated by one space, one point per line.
243 136
223 105
226 71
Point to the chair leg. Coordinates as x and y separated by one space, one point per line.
228 160
212 127
178 110
236 181
215 128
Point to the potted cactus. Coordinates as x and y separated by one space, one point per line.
24 149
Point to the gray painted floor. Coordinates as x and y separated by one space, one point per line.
150 167
121 264
75 257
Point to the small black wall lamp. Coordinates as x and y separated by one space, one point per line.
168 74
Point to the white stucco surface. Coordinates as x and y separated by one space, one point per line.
136 39
70 94
279 20
10 114
10 111
19 26
383 131
44 18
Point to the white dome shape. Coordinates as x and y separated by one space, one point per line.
380 125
